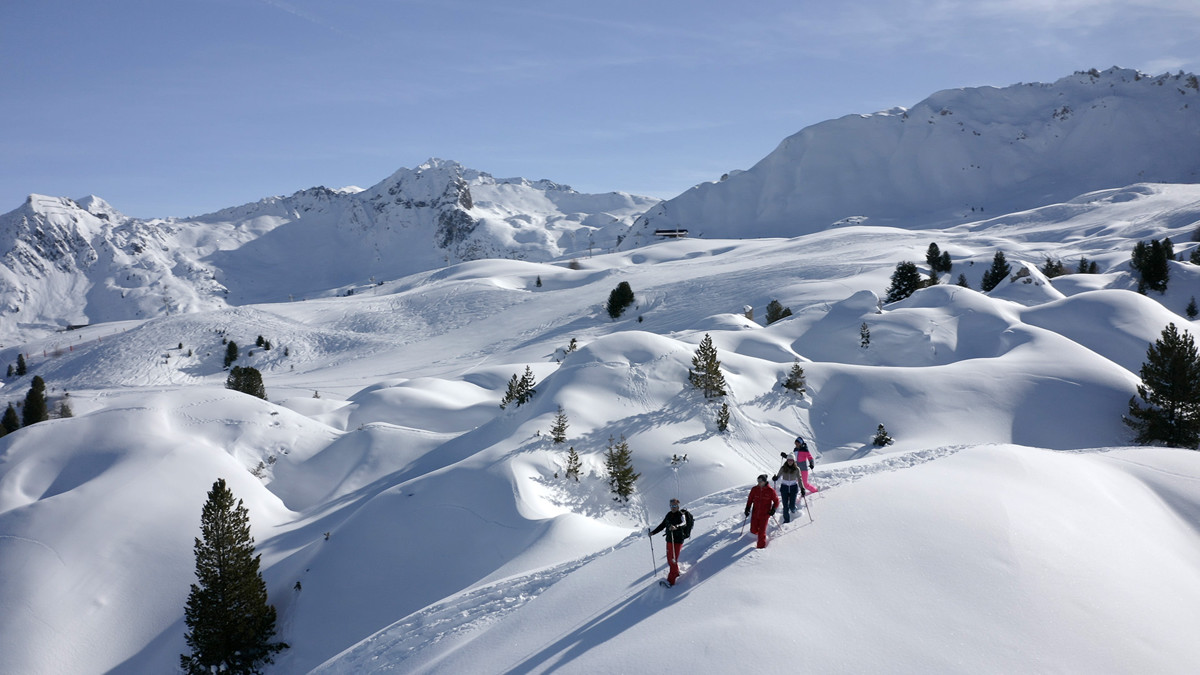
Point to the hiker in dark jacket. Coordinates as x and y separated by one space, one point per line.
678 524
789 486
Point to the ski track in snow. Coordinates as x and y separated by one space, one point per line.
474 609
470 610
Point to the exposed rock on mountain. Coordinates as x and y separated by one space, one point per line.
69 262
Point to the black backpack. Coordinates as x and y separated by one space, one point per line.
688 521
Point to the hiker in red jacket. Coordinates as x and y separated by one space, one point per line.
763 500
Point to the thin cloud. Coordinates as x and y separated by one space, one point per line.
306 16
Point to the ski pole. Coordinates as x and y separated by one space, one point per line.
807 508
744 523
653 558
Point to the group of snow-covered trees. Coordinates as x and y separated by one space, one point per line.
618 460
1169 411
1152 263
35 408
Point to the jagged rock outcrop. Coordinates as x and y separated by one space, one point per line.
67 262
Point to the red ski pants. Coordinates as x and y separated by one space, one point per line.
758 525
673 561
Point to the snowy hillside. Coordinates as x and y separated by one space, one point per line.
959 155
68 262
409 524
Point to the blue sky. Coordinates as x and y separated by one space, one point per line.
181 107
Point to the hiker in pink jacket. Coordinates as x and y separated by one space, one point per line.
805 459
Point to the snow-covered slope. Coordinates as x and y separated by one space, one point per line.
71 262
408 524
959 155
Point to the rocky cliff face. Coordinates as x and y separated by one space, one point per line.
67 262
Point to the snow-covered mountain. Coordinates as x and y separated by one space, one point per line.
408 524
959 155
71 262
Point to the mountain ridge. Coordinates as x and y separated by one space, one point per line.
71 262
957 155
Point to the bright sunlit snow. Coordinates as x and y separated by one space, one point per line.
408 524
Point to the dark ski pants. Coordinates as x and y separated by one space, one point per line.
673 561
788 494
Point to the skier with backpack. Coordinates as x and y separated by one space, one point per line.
803 458
678 524
762 501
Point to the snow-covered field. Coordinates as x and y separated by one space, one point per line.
408 524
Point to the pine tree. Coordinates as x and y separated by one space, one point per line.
230 624
1194 258
945 264
620 298
998 272
776 311
723 417
933 257
526 389
618 462
11 371
1152 263
11 421
574 464
231 353
864 335
558 431
962 281
246 380
1053 267
510 394
520 389
1170 388
1192 310
881 437
705 374
905 281
21 369
795 379
35 409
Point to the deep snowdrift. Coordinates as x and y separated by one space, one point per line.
409 524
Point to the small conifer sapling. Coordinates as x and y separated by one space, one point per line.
794 382
558 430
881 437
